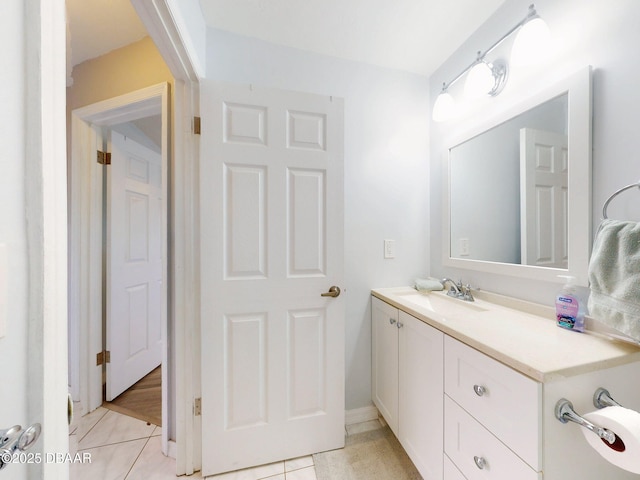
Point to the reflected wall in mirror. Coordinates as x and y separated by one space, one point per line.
515 174
518 198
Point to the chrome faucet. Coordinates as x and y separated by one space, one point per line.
454 290
457 290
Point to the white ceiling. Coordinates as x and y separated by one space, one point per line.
411 35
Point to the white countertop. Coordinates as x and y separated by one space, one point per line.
519 334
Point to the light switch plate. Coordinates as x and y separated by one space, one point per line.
389 249
3 290
464 247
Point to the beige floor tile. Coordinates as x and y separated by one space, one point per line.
255 473
298 463
153 465
111 462
86 423
113 428
308 473
363 427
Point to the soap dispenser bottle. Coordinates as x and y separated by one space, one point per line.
569 307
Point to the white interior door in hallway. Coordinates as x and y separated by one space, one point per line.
271 243
134 263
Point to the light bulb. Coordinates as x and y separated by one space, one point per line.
532 43
480 80
444 107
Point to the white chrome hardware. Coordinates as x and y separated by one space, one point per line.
480 390
564 412
480 462
400 324
392 321
333 292
15 438
602 398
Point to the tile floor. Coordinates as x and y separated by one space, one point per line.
120 448
124 448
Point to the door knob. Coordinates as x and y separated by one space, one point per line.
16 439
333 292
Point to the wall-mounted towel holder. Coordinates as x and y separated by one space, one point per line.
614 194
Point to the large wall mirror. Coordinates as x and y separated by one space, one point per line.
518 200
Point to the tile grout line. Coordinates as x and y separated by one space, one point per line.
114 443
137 458
94 426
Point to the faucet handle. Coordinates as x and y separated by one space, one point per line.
466 293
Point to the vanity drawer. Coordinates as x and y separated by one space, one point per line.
451 472
504 401
476 452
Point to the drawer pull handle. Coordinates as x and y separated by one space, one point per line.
392 321
480 390
480 462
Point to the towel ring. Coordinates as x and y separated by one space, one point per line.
606 204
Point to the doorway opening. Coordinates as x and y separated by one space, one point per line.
135 301
119 253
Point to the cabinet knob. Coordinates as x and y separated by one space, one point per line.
480 462
392 321
480 390
400 324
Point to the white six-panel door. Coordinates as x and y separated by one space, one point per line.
134 263
271 244
544 198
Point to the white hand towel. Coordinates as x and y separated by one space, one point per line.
428 284
614 277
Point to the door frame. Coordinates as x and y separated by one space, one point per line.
166 31
86 233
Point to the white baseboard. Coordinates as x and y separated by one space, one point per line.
172 449
359 415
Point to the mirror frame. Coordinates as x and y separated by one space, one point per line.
578 87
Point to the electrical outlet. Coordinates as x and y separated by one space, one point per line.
464 247
389 249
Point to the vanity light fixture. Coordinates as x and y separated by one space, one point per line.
489 78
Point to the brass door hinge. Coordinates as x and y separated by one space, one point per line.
103 357
197 406
104 158
196 125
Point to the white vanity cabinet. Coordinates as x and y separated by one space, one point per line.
407 383
470 391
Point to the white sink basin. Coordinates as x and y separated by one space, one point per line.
442 303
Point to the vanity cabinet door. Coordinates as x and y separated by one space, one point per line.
421 349
384 359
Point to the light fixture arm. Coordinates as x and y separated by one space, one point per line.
531 14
